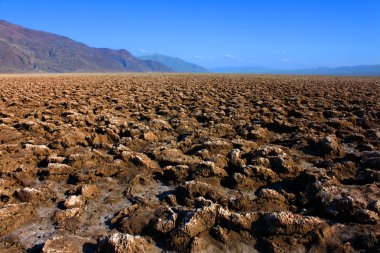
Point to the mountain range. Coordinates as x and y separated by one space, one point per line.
176 64
23 50
361 70
26 50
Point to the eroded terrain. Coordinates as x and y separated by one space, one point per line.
189 163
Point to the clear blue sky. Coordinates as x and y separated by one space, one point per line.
213 33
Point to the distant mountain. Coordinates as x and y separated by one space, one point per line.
26 50
361 70
176 64
243 70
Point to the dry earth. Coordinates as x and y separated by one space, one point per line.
189 163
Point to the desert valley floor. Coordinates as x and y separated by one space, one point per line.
189 163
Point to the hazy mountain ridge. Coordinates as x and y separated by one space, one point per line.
176 64
360 70
26 50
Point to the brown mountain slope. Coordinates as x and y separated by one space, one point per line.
26 50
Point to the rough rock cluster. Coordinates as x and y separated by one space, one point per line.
189 163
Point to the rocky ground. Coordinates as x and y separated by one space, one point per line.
189 163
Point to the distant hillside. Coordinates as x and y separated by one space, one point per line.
176 64
243 70
25 50
362 70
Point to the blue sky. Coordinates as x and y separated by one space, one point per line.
272 33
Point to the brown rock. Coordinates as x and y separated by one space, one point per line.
244 145
215 145
235 160
193 223
282 163
344 202
8 134
73 138
33 195
327 146
258 133
134 219
66 244
12 216
177 174
165 220
192 189
198 244
198 220
89 191
287 223
175 157
70 219
209 169
38 150
149 136
58 169
278 160
371 159
237 221
139 159
100 139
123 243
73 201
262 173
